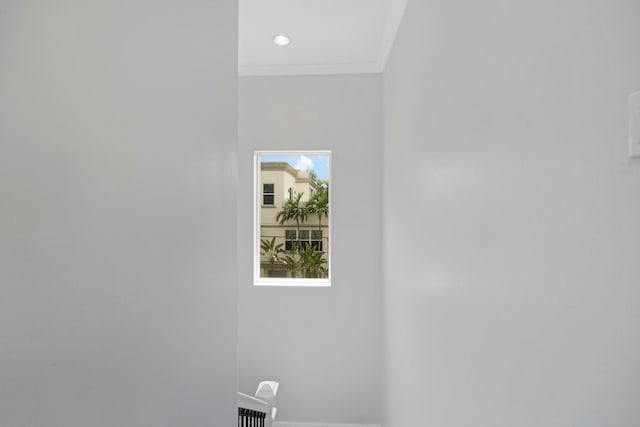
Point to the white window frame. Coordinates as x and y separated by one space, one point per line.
257 203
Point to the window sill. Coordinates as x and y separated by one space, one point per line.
305 283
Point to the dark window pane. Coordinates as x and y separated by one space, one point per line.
290 234
268 199
268 188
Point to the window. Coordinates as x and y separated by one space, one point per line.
303 239
291 246
268 196
316 239
290 239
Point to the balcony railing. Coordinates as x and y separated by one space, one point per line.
258 410
250 418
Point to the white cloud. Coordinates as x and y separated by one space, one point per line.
304 163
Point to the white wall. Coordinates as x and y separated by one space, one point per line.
512 215
118 270
322 344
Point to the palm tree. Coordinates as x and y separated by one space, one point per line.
271 251
292 210
293 262
319 203
312 262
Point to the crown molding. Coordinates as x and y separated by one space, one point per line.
308 69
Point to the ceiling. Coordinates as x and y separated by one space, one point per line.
327 36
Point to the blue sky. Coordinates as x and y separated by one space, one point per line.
319 163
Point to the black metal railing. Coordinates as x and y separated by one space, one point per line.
250 418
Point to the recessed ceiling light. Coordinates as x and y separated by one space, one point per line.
281 40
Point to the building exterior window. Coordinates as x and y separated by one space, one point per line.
290 239
268 194
316 240
303 239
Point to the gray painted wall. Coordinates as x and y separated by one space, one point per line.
118 267
322 344
512 215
